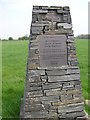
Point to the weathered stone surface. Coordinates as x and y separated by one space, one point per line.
71 44
70 110
37 30
33 84
62 11
33 79
37 107
53 17
76 91
33 89
65 84
52 92
65 18
71 37
74 63
34 52
58 67
32 66
85 117
77 82
63 78
70 106
53 108
73 56
70 51
52 7
41 17
33 60
34 44
33 100
71 59
59 72
65 97
72 115
36 115
56 72
66 8
41 115
42 22
77 96
50 99
34 17
78 100
52 26
72 47
53 116
47 86
70 41
69 87
43 79
36 72
35 7
69 19
39 25
64 25
61 31
78 86
40 11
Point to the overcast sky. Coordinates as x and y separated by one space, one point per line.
16 15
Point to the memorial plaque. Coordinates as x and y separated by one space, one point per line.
52 50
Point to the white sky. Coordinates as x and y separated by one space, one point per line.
16 15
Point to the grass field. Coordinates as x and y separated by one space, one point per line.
82 53
14 60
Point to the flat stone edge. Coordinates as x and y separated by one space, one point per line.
86 117
21 109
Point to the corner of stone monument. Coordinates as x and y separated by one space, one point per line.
52 87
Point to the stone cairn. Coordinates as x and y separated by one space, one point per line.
52 92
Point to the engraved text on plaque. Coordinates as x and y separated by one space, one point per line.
52 50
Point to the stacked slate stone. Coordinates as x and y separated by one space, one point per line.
52 92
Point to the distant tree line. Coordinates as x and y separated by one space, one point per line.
23 38
10 38
20 38
83 36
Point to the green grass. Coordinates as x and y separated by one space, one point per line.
0 79
14 60
82 54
